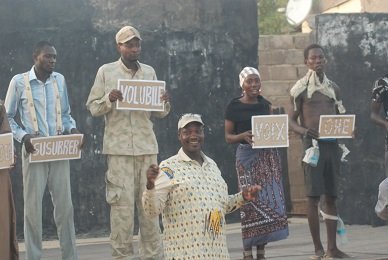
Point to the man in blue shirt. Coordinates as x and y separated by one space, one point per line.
40 96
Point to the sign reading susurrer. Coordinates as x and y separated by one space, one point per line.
270 131
336 126
141 94
6 150
55 148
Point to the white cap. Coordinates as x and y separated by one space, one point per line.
188 118
127 33
382 202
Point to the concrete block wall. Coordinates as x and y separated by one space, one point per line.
281 64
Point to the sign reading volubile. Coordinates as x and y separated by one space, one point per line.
270 131
55 148
141 94
6 150
336 126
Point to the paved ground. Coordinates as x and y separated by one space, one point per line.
365 243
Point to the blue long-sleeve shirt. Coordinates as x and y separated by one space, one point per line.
44 102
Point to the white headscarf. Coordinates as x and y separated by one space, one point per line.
247 71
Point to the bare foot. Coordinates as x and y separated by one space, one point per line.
336 254
319 253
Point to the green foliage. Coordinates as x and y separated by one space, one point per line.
270 20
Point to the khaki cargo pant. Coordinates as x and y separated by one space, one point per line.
125 183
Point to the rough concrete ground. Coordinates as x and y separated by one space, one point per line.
364 243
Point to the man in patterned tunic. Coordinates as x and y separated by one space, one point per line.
189 191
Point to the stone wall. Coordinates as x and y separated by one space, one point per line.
281 65
197 46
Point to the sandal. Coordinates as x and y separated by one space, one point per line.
319 255
248 255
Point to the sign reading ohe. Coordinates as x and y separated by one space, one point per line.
6 150
55 148
336 126
141 94
270 131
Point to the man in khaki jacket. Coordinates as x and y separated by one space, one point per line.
131 146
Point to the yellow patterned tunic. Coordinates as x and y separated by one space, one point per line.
193 200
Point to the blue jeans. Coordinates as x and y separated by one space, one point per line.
56 175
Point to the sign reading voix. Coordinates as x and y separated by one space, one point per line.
55 148
6 150
270 131
336 126
141 94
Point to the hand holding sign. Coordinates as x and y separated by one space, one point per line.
311 133
76 131
27 143
165 97
247 137
114 95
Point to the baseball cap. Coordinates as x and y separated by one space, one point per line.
127 33
188 118
382 202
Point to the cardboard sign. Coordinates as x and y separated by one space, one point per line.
336 126
141 94
270 131
6 150
55 148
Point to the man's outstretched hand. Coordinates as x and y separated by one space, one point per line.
250 193
152 173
